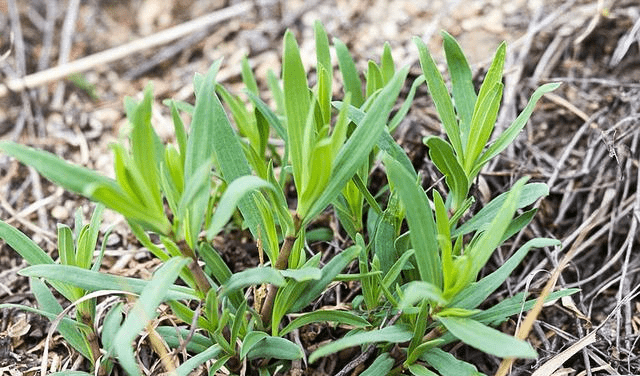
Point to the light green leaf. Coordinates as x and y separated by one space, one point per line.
329 272
447 364
462 83
482 125
420 220
445 160
440 96
355 151
420 370
350 75
391 334
25 247
94 281
387 66
340 317
253 276
277 348
190 364
530 193
487 339
506 138
144 310
417 291
175 337
381 366
250 340
477 292
302 274
230 199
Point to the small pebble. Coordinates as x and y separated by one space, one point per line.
60 213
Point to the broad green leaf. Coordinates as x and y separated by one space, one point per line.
387 66
374 79
277 348
462 83
355 151
144 310
88 242
530 193
381 366
302 274
146 147
248 78
190 364
340 317
94 281
297 103
230 199
417 291
396 269
491 79
514 305
477 292
445 160
208 112
218 269
506 138
440 96
324 70
491 238
67 327
329 272
350 75
420 220
444 241
404 109
25 247
447 364
250 340
482 125
487 339
175 337
253 276
420 370
390 334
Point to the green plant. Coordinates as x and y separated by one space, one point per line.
419 288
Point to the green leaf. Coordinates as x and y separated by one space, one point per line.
387 66
25 247
329 272
417 291
420 370
440 96
88 241
447 364
530 193
487 339
373 78
277 348
190 364
482 125
420 220
490 239
355 151
67 327
391 334
302 274
340 317
250 340
477 292
248 78
462 83
381 366
94 281
445 160
111 324
253 276
230 199
397 268
506 138
297 103
144 310
350 75
175 337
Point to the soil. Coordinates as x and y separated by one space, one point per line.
582 140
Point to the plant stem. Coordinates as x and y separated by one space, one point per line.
199 277
281 263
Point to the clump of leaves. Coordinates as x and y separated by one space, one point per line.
419 288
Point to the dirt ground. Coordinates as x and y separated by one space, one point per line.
582 139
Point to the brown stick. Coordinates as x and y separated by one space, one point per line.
281 263
116 53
